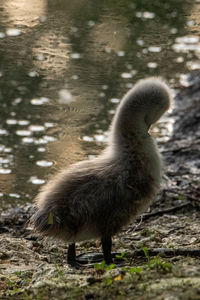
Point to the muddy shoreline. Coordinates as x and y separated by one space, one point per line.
35 268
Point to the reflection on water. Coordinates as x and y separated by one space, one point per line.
24 12
64 66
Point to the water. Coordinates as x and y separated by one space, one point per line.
64 66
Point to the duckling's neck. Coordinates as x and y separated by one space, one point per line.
132 133
135 142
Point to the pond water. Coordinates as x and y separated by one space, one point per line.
64 66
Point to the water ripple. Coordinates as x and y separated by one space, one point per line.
36 180
44 163
5 171
23 132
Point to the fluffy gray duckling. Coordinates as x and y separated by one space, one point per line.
96 198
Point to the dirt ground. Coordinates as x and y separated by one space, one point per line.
35 268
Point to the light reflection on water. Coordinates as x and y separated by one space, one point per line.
64 69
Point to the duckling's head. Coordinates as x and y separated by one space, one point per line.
156 98
141 107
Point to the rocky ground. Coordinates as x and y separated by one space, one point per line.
35 268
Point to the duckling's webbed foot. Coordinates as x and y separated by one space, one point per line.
106 243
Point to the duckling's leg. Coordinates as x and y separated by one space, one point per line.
71 255
106 243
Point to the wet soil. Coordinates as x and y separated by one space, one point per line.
32 267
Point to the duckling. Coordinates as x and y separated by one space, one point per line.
96 198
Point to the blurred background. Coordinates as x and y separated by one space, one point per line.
64 65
